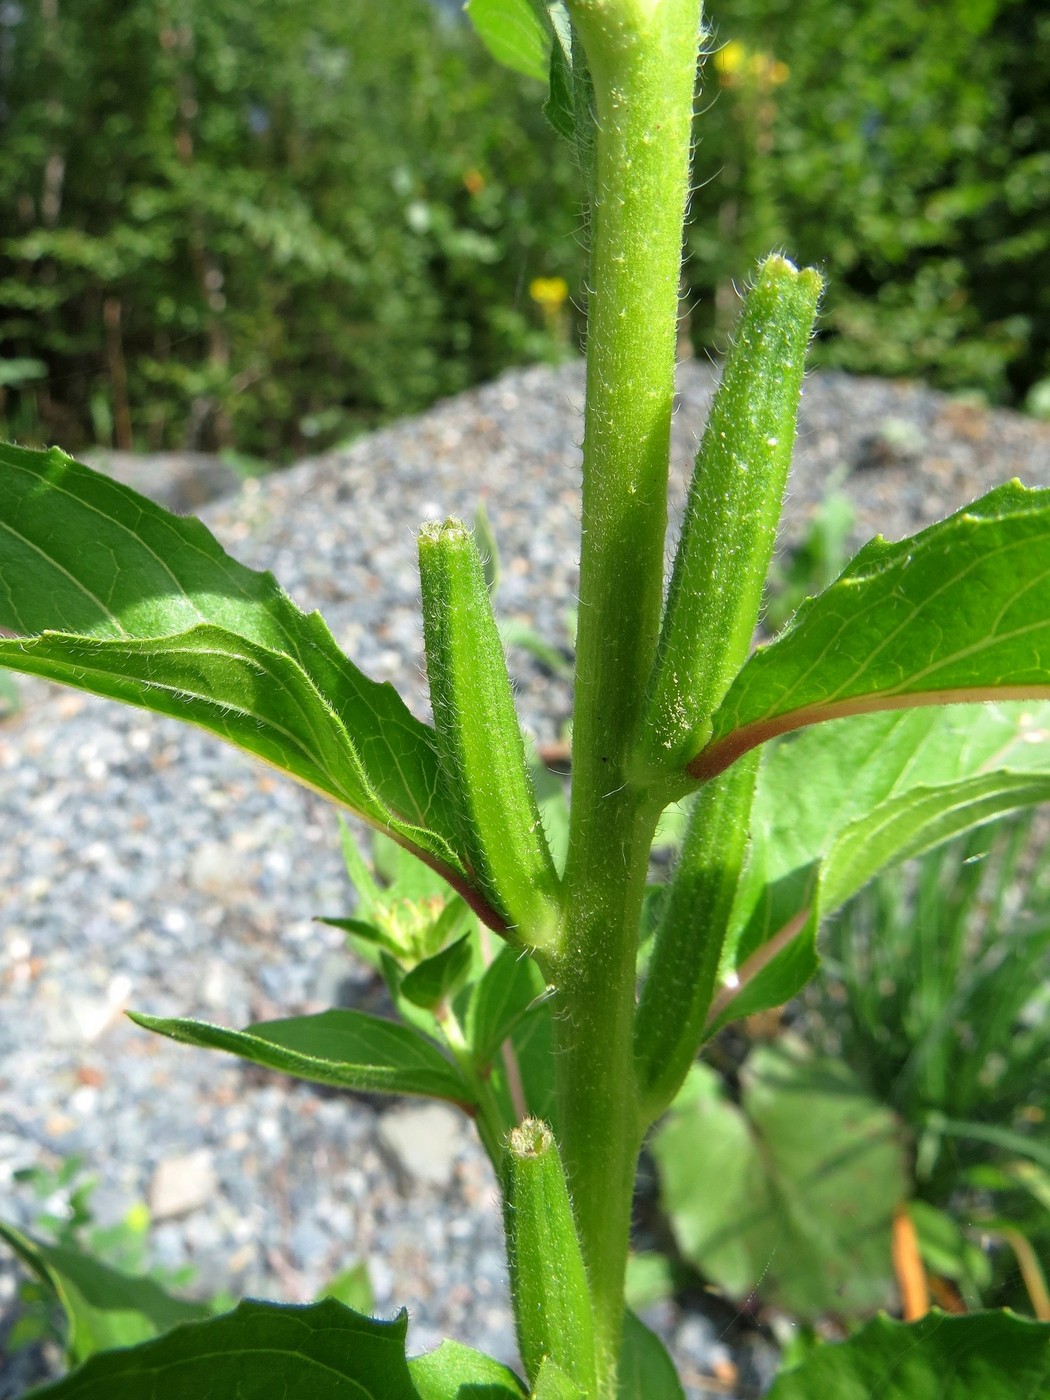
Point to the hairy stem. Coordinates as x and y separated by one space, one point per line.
642 57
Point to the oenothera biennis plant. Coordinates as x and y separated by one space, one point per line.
549 1045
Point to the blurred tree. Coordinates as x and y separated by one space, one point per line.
246 222
258 224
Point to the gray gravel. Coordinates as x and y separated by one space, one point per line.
144 865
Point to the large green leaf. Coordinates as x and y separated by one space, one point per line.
103 1307
792 1193
109 592
456 1372
348 1049
986 1356
958 612
838 803
514 34
257 1352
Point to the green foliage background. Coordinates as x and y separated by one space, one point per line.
905 151
260 225
308 217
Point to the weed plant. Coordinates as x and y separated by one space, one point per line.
904 704
934 991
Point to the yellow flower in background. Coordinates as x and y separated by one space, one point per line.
549 292
735 61
769 71
731 57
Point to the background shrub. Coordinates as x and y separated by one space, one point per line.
904 148
259 225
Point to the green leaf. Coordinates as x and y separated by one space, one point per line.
259 700
456 1372
511 1036
646 1370
509 986
554 811
113 594
527 1059
515 633
984 1356
488 548
514 35
570 100
959 612
1020 1143
790 1194
839 802
368 893
14 372
650 1278
10 699
404 877
103 1307
435 979
358 927
947 1251
352 1287
560 106
258 1351
348 1049
420 1020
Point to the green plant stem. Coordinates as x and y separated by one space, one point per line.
642 58
487 1118
598 1111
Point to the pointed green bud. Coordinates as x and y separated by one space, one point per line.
687 946
480 742
731 516
552 1305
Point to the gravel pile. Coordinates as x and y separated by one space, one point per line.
144 865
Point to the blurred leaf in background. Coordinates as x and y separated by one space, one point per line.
935 990
916 1069
790 1193
89 1285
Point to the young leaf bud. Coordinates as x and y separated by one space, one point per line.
687 947
731 516
480 743
552 1305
